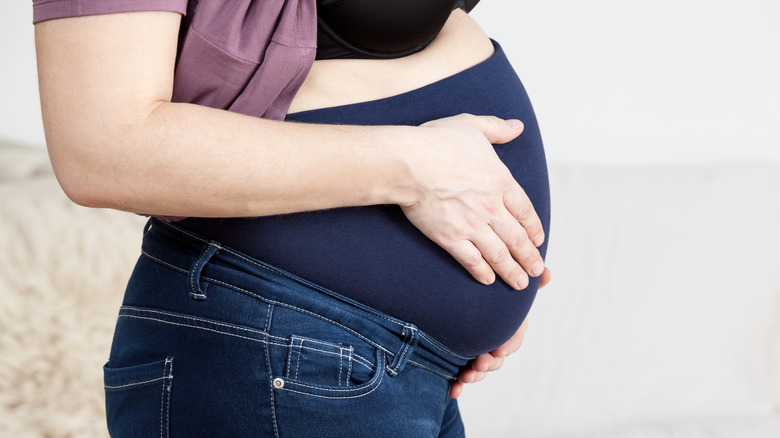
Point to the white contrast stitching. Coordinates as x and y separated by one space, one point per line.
433 344
195 327
163 262
194 318
448 377
369 383
374 388
162 405
289 362
271 399
306 312
317 341
298 362
191 273
362 361
341 364
349 370
134 383
268 319
333 397
168 400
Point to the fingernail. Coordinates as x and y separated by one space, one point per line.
537 269
516 124
539 239
522 282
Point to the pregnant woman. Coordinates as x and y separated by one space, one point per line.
347 223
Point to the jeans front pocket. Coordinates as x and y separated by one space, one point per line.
307 357
326 363
312 355
136 395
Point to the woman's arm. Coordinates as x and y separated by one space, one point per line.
116 141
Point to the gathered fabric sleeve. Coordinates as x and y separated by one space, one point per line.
50 9
246 56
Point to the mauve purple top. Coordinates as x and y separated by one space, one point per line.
246 56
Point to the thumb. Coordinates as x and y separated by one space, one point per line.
499 131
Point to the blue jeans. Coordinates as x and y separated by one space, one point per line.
210 342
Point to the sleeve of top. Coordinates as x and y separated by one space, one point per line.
50 9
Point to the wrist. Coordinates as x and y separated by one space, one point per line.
403 156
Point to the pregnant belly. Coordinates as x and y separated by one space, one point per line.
374 255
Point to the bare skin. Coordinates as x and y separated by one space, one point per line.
117 141
460 44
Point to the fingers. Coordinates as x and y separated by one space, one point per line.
498 131
495 129
513 256
471 258
499 248
500 259
518 203
456 389
546 277
514 343
480 366
485 363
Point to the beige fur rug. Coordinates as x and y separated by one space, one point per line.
62 274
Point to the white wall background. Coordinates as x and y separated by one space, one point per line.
613 81
639 81
20 119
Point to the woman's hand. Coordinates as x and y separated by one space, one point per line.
485 363
466 200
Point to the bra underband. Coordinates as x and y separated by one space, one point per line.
380 29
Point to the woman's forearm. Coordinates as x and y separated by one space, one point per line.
189 160
117 141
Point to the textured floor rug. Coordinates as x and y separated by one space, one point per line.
55 327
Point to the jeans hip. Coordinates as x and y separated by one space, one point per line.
212 342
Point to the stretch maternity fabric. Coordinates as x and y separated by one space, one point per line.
374 255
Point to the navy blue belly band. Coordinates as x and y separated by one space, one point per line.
374 255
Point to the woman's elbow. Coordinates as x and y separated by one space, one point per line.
79 185
83 174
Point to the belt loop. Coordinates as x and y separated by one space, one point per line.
147 226
196 290
409 333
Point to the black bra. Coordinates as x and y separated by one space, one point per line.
380 28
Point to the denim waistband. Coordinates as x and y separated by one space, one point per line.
209 261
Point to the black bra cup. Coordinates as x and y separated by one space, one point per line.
380 28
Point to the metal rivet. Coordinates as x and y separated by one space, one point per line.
278 383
